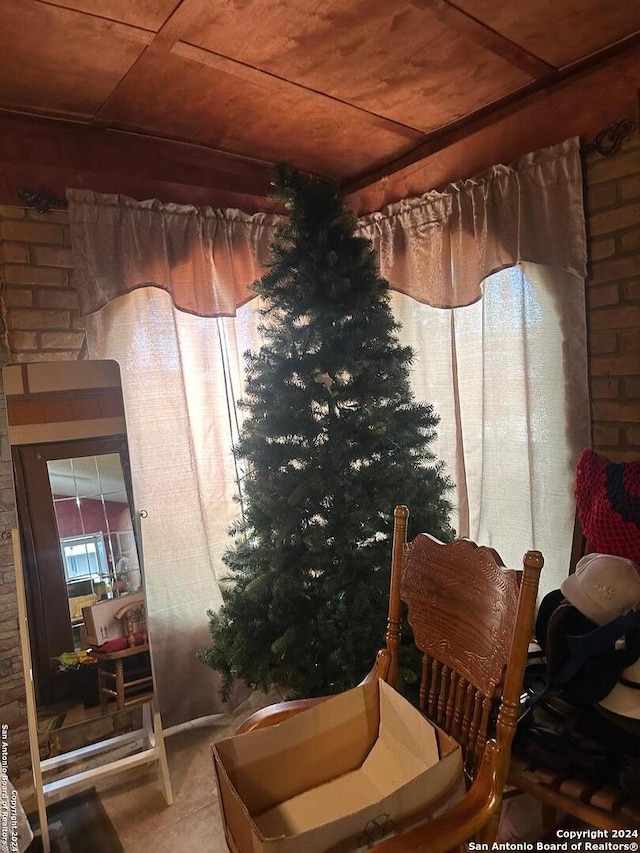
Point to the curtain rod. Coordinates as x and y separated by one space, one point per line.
610 138
607 142
42 199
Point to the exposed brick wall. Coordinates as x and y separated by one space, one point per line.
38 293
40 323
613 300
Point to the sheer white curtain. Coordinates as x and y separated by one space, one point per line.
159 285
181 376
504 364
496 267
510 386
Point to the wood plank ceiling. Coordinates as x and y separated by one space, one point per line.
340 88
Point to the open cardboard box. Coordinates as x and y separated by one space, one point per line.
321 779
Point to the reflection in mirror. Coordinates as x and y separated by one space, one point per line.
95 532
80 551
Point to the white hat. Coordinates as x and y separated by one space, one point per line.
624 699
603 587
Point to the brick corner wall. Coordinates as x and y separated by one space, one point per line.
39 322
39 300
613 300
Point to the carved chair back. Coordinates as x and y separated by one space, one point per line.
472 620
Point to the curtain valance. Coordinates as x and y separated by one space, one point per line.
205 258
437 248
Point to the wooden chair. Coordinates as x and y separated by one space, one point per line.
472 620
126 675
134 620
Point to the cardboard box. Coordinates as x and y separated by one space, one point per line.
99 622
323 776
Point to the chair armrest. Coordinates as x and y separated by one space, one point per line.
274 714
380 669
455 826
122 653
136 607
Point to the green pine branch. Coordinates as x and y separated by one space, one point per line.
332 440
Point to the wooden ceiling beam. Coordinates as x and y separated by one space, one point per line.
109 11
460 130
179 21
275 83
168 39
473 29
37 152
182 17
119 28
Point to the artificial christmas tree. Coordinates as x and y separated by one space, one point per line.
332 440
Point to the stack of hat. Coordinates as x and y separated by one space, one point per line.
581 626
603 587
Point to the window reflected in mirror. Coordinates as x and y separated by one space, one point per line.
95 532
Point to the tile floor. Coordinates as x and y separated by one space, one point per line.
137 808
140 815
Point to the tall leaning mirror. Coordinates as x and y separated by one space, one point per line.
78 540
